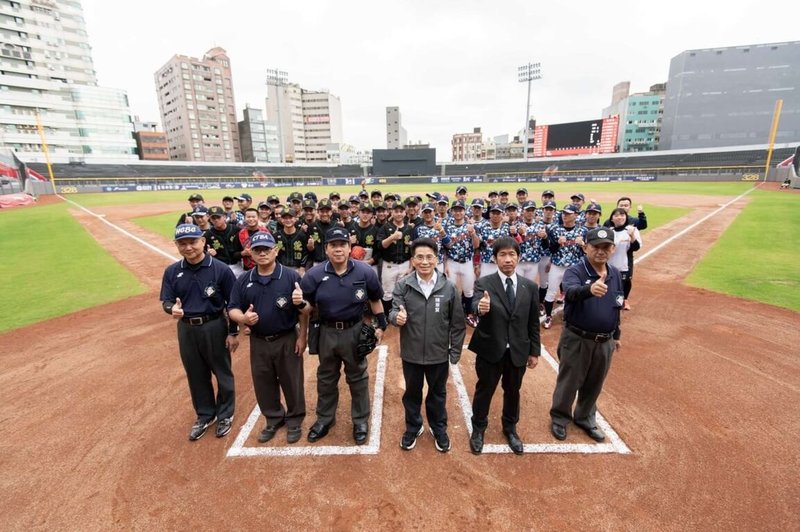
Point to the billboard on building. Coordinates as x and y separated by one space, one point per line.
576 138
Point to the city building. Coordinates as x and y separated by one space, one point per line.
719 97
640 115
467 146
140 125
253 136
396 135
347 154
198 111
151 145
46 70
307 121
501 147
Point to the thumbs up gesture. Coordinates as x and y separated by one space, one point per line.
402 316
177 309
297 295
484 304
250 316
599 287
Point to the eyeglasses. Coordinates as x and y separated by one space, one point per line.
425 258
260 250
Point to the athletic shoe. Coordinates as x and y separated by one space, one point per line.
224 426
199 428
472 320
548 322
409 439
542 311
441 441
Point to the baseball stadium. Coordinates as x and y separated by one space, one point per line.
95 397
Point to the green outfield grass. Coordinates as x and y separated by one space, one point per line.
756 258
161 224
52 266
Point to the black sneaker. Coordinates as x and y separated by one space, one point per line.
442 441
409 439
199 428
224 426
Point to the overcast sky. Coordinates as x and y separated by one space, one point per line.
449 65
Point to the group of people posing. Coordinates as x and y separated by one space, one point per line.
309 272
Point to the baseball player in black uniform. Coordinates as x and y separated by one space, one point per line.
222 239
292 242
195 291
394 240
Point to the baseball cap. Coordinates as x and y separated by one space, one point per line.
291 211
416 200
324 204
399 206
273 199
363 194
504 192
243 197
227 198
549 204
443 199
187 231
458 204
196 197
344 206
216 211
264 205
337 234
366 207
477 202
600 235
310 195
294 196
496 207
492 193
427 207
382 205
579 196
522 190
433 195
512 206
528 205
569 207
200 211
548 192
461 189
594 207
262 240
334 195
309 203
354 199
375 193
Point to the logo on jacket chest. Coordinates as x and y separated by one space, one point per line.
282 302
360 294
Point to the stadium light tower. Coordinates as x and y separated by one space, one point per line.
528 73
278 78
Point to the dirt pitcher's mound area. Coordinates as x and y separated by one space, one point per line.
703 392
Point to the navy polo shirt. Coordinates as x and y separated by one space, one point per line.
585 311
204 288
271 297
341 298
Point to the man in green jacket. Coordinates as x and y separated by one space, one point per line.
427 308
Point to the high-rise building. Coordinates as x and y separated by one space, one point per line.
726 96
467 146
396 135
640 116
307 121
253 136
46 69
197 106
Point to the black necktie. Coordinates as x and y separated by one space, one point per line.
512 298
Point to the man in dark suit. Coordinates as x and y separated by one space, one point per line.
506 341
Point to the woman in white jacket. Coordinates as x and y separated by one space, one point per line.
627 240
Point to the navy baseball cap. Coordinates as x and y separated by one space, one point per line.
363 194
443 199
354 199
461 189
529 205
216 211
427 207
196 197
337 234
433 195
496 207
477 202
548 192
549 204
458 204
600 235
569 207
200 211
310 195
187 231
579 196
594 207
262 240
512 206
243 197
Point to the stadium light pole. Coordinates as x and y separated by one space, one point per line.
527 73
278 78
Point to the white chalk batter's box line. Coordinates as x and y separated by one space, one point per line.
615 445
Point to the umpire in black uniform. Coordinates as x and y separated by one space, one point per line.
196 291
593 298
262 299
340 289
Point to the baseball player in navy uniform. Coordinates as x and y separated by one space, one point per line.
433 229
341 288
566 246
462 242
195 291
266 299
489 232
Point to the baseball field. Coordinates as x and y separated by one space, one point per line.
701 402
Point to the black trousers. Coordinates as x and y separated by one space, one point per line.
275 368
337 347
203 353
489 374
435 401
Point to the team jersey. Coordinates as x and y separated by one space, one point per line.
316 232
571 252
225 244
488 235
532 246
426 231
366 238
400 250
459 247
292 250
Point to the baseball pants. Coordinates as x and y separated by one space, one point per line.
463 274
390 274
